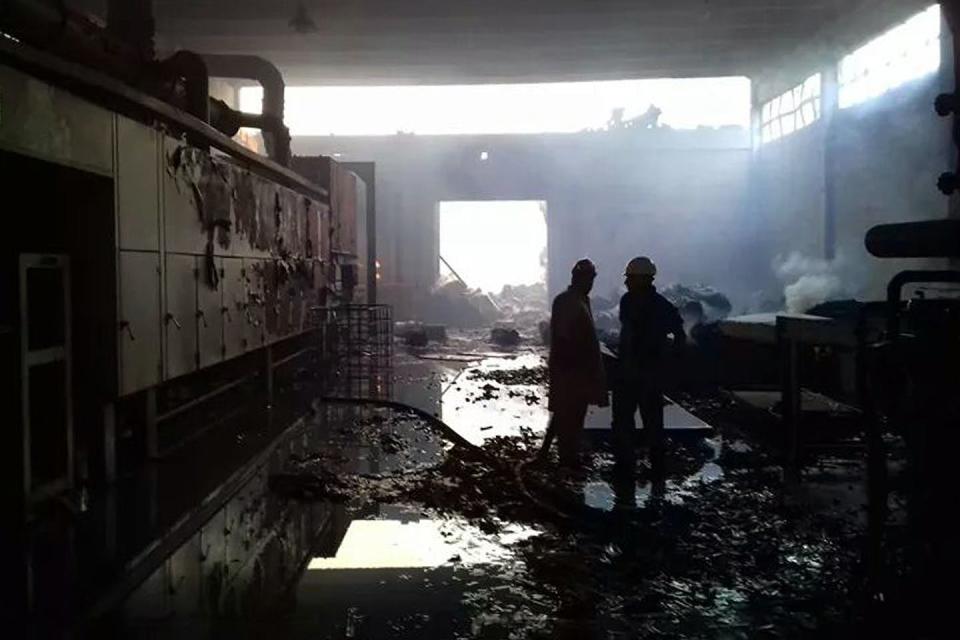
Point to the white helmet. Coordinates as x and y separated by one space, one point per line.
642 266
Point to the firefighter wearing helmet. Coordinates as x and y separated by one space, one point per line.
576 374
651 332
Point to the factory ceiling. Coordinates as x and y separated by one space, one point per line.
451 41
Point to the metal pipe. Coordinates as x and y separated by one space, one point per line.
269 77
50 26
103 89
924 239
895 290
192 69
251 68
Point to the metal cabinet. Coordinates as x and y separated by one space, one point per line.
271 301
209 313
46 375
234 287
54 124
180 318
282 306
139 322
296 309
183 223
255 317
138 201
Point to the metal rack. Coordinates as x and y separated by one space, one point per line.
356 343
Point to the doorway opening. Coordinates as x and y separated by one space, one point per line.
498 247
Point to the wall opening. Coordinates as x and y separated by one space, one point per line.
493 244
483 109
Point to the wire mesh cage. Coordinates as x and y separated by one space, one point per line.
356 343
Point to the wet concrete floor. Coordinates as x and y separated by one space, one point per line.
369 523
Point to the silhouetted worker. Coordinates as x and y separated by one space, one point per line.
576 371
647 322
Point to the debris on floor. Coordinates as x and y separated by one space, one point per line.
505 336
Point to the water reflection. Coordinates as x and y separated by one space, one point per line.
414 541
458 391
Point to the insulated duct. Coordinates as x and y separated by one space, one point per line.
50 26
270 121
125 51
191 69
925 239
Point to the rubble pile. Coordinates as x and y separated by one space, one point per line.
418 334
456 305
713 304
730 558
525 305
505 336
698 304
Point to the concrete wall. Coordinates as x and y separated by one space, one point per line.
888 154
679 196
818 191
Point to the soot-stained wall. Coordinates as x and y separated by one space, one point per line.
678 196
820 189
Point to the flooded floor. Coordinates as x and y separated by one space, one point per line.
365 522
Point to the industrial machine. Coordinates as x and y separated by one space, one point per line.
150 261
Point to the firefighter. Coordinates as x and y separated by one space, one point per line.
650 329
576 374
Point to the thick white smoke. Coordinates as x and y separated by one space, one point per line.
811 281
811 290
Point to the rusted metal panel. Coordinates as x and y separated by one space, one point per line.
180 319
102 89
216 188
326 235
209 312
297 291
246 214
345 211
139 322
182 198
43 121
271 302
255 316
234 309
138 201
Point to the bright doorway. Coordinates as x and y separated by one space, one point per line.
494 243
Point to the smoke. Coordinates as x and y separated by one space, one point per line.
811 281
810 290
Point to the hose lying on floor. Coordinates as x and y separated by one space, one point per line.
447 432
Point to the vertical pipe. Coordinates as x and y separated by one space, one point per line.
829 101
791 399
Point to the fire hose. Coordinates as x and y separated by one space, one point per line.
447 432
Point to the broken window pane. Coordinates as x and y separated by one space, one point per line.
792 110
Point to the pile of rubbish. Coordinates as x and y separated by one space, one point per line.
456 305
418 334
505 335
524 304
521 375
699 302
